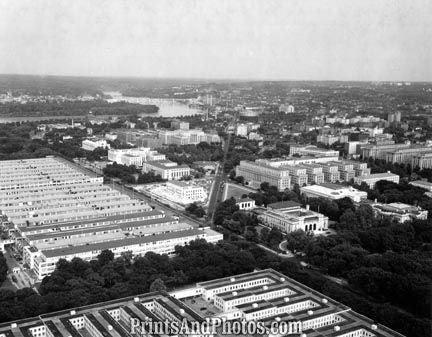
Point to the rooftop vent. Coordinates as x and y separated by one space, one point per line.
374 327
286 299
278 319
182 312
14 325
136 299
234 293
255 305
265 287
310 312
232 279
109 327
324 300
73 312
337 328
282 279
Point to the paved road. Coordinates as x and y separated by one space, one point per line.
283 247
219 182
216 191
22 279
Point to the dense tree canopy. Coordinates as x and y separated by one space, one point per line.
3 268
78 282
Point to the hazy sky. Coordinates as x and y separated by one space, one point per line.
253 39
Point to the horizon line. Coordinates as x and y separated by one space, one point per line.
209 79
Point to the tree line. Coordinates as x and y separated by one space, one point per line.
78 283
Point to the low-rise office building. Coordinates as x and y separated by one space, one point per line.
166 169
186 191
293 217
331 172
284 173
422 160
372 179
185 137
311 150
399 211
422 184
134 156
298 174
333 192
263 295
43 261
346 170
260 172
93 144
315 173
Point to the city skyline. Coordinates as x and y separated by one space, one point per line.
276 40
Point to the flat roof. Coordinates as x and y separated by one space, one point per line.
166 164
320 306
48 235
421 182
284 204
377 175
110 218
120 243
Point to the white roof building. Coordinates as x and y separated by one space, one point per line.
422 184
399 211
333 192
91 145
186 192
135 156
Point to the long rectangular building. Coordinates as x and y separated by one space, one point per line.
264 296
372 179
415 155
285 173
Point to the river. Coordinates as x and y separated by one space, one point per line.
167 108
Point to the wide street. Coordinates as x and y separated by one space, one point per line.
219 183
19 279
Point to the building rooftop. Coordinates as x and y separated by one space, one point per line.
302 304
283 205
120 243
424 183
166 164
377 175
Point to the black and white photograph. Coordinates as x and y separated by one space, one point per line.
215 168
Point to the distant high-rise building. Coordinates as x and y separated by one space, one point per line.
394 117
398 116
287 108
